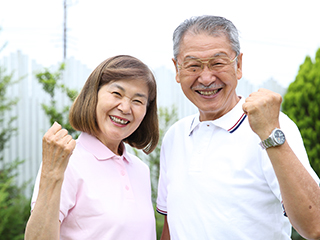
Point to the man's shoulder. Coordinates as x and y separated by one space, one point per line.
183 124
180 128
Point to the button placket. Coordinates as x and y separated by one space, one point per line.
201 143
124 179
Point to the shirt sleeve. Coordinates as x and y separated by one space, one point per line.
36 188
295 142
68 192
163 183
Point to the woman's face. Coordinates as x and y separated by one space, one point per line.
121 108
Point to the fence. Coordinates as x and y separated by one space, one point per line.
32 122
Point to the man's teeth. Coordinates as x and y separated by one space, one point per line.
207 93
117 120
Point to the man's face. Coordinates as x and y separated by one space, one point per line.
211 90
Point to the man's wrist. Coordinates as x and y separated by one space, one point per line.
276 138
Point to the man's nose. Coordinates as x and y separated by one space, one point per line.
207 76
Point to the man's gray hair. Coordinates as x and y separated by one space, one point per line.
212 25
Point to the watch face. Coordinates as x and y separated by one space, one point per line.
279 136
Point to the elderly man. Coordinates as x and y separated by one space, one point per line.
237 169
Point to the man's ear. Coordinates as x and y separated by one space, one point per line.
177 70
239 66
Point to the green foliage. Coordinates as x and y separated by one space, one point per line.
166 118
6 128
159 222
50 82
295 235
6 104
302 104
14 207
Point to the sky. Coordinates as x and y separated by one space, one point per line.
275 35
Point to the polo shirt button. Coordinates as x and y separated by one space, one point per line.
123 172
127 187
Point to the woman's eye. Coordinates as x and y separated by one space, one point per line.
116 93
138 101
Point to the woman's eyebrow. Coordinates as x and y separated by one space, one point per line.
118 86
141 95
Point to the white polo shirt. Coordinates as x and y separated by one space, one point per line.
104 196
216 182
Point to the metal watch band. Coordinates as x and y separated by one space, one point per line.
267 143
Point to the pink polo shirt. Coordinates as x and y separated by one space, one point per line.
104 196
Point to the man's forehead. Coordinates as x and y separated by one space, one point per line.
191 37
204 46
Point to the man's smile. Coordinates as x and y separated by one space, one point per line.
208 92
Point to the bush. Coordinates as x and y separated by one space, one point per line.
14 206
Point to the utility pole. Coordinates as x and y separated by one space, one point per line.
65 30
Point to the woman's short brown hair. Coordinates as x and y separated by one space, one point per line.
82 114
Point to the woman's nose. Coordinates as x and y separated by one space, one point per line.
125 105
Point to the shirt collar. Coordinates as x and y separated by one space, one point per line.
230 121
98 149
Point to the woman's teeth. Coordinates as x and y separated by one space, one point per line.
118 120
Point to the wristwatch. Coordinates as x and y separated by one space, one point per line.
276 138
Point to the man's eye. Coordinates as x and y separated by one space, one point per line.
218 62
193 65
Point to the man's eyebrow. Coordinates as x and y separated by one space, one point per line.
215 55
220 54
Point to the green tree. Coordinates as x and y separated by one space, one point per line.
5 105
295 235
14 207
302 104
166 118
50 82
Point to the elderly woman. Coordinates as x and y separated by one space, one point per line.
92 188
